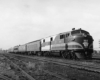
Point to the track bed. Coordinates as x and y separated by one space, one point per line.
62 69
9 72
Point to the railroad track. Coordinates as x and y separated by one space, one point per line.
89 66
19 69
10 71
58 76
2 77
83 65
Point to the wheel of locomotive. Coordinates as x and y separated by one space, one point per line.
44 53
39 53
48 53
72 55
69 56
66 54
89 56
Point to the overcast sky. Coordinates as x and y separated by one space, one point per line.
22 21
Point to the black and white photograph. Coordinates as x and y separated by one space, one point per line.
49 40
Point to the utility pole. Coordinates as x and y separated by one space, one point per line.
99 43
99 46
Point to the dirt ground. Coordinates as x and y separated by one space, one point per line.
68 72
8 72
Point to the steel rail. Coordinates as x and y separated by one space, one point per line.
53 73
26 74
73 64
4 77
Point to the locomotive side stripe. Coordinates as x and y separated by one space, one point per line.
62 44
53 47
70 48
71 45
74 45
58 46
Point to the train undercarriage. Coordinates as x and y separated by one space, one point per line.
69 54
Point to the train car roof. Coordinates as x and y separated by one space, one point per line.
57 34
81 30
33 41
54 35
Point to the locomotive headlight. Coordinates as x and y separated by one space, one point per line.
74 38
85 43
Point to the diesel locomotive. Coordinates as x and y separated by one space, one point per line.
74 44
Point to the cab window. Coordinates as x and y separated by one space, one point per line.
79 32
75 32
51 39
62 36
84 32
67 34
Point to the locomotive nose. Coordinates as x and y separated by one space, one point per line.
85 43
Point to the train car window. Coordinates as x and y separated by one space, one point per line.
62 36
51 39
43 40
67 34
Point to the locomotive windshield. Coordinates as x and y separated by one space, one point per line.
79 32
